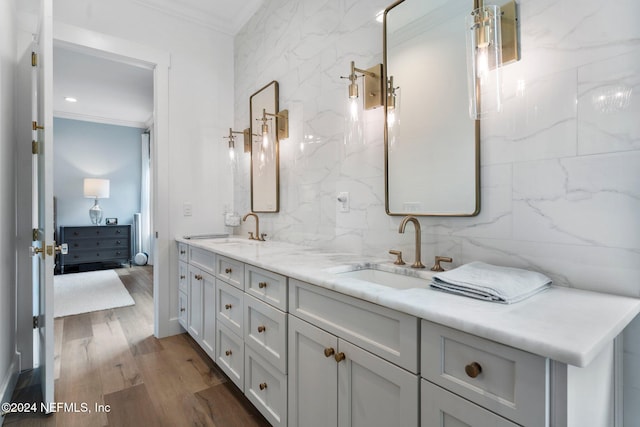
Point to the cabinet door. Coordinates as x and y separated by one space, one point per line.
313 375
209 314
194 311
441 408
182 309
230 354
373 392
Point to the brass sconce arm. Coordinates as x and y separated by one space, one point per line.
282 122
247 138
373 85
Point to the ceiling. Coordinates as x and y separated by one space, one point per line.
113 92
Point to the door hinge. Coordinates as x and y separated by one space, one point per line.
36 322
34 234
34 147
36 126
34 59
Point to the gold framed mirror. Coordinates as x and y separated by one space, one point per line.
265 161
431 146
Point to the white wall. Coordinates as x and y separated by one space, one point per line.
9 364
560 179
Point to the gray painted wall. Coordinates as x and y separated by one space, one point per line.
95 150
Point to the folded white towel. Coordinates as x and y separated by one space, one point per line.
490 282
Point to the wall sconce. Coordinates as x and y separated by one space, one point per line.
232 144
282 132
97 189
393 112
373 89
492 42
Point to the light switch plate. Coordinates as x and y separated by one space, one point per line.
187 209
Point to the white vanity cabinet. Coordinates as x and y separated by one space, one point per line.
332 381
200 318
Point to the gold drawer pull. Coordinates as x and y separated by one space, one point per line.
228 270
261 329
473 369
340 357
329 351
262 285
227 306
228 353
262 386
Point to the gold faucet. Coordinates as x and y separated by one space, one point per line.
258 236
416 223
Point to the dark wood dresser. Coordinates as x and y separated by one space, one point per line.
93 246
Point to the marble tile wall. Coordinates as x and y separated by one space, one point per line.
560 166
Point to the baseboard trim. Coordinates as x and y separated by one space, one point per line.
9 382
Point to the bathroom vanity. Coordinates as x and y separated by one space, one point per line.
312 342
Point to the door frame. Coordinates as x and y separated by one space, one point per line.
106 46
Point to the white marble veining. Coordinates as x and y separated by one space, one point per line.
566 325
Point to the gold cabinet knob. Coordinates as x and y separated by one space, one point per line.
183 309
262 285
473 369
228 270
261 329
182 277
228 353
182 252
262 386
329 351
227 306
340 357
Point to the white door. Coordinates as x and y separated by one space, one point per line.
42 193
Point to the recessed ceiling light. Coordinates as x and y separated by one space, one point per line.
70 99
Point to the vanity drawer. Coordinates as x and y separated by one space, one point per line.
202 259
265 387
387 333
505 380
183 252
265 330
229 306
231 271
442 408
266 286
183 276
230 354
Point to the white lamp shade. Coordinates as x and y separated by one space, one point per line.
96 188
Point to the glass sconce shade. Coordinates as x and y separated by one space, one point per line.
484 59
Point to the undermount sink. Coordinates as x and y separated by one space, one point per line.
397 278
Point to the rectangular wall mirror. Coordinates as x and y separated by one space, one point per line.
431 143
265 163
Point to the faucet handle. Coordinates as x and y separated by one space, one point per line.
438 260
262 236
251 235
398 255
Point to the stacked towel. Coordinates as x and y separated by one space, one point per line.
490 282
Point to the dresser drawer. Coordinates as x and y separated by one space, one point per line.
98 243
230 357
202 259
265 330
265 387
266 286
231 271
504 380
183 276
229 306
183 252
442 408
96 255
96 231
387 333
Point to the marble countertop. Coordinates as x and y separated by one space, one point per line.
568 325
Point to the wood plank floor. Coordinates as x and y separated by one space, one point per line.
110 359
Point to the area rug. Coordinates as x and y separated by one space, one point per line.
77 293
